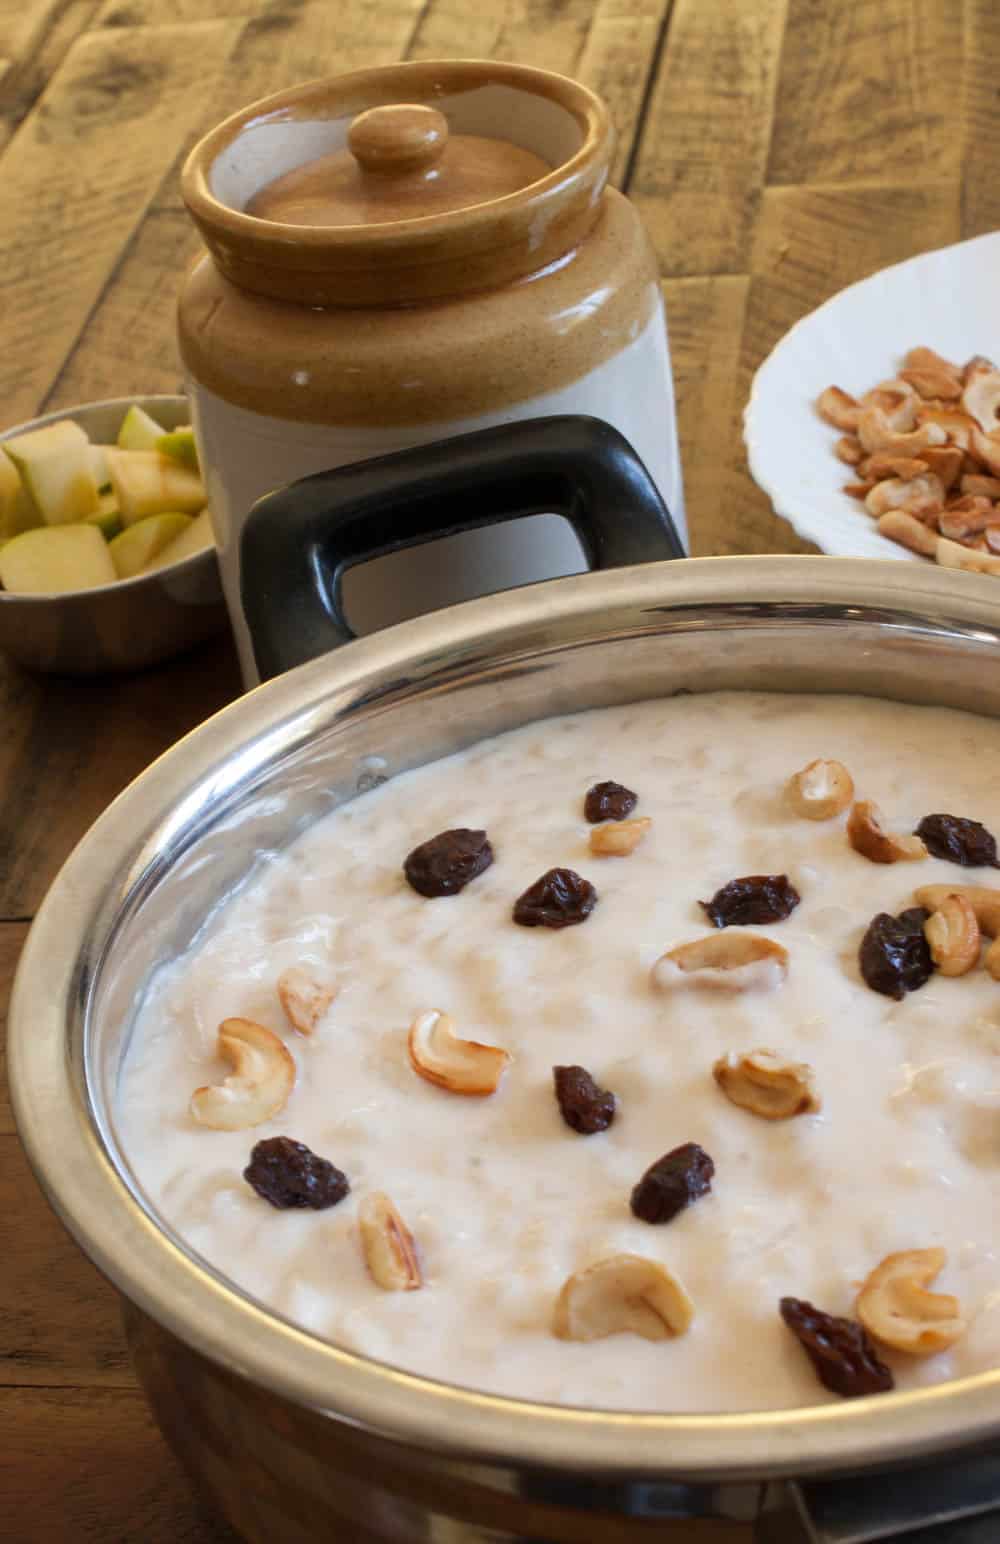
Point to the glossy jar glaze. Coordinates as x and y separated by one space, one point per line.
310 345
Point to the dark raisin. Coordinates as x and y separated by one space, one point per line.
895 957
559 899
673 1182
583 1106
755 898
446 863
959 840
288 1174
609 801
845 1360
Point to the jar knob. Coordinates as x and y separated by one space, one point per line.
403 137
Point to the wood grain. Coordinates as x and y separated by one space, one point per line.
88 161
700 162
12 936
89 1466
74 744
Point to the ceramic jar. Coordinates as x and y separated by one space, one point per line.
403 255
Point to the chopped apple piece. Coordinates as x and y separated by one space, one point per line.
179 445
146 483
55 467
138 430
17 511
54 560
196 538
138 544
98 461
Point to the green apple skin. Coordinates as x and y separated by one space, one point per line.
139 544
107 517
138 430
56 560
179 445
196 538
17 509
56 469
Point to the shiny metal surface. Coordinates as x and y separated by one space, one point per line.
203 820
123 626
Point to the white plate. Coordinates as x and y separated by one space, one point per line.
947 300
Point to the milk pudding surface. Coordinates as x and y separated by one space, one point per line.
888 1139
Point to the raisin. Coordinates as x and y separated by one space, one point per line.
609 801
289 1174
895 957
845 1360
755 898
559 899
583 1106
959 840
673 1182
446 863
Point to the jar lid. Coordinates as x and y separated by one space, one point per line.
400 163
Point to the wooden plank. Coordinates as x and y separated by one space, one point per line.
23 25
980 116
23 81
69 746
868 92
550 34
703 146
129 345
617 61
705 318
12 936
59 1320
87 162
90 1466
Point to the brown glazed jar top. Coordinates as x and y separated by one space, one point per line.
401 163
399 184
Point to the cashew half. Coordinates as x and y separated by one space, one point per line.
896 1310
955 426
953 936
839 408
909 532
981 399
730 961
876 433
767 1084
617 838
624 1293
867 836
387 1244
985 449
951 555
262 1078
922 358
461 1066
985 903
821 790
933 383
303 998
918 495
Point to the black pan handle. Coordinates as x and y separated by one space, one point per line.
298 542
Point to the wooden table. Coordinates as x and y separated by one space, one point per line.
778 149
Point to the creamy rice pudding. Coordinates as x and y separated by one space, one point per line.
504 1199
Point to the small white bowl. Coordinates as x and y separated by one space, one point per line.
129 624
948 300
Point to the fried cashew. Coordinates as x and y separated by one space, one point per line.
933 383
839 408
304 999
876 433
258 1087
460 1066
624 1293
617 838
918 495
895 1308
869 837
730 961
981 399
767 1084
387 1245
985 903
951 555
820 790
909 532
953 936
